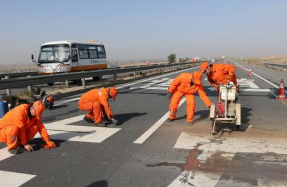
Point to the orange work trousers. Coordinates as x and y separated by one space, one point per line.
10 135
190 105
95 108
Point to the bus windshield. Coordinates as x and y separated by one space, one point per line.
54 53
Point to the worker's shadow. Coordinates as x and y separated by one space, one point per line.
37 143
101 183
203 114
122 118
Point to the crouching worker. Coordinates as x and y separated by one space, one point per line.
96 101
186 84
21 124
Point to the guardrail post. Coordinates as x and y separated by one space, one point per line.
83 82
30 94
115 77
8 91
67 83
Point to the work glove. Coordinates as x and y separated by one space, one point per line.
49 145
168 95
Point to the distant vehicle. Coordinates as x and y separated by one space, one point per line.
70 56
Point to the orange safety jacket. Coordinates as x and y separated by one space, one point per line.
183 84
221 73
18 116
101 95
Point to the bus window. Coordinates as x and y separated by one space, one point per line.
83 52
101 51
74 55
93 52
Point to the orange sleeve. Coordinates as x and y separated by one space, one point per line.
42 130
105 103
174 84
19 119
203 95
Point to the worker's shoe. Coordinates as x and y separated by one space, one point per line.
100 124
170 120
16 151
88 120
190 122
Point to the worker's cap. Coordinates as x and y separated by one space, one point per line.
203 66
39 109
114 92
197 75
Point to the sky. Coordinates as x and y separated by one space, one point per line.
146 29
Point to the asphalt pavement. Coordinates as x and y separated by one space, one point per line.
144 149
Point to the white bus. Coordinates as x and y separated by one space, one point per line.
70 56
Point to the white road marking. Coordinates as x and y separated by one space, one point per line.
13 179
228 146
248 129
145 80
4 154
125 85
62 131
153 128
274 85
67 101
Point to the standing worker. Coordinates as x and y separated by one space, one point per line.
21 124
96 101
186 84
219 73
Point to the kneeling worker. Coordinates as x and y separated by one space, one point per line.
96 101
186 84
21 124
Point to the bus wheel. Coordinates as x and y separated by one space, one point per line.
96 78
50 84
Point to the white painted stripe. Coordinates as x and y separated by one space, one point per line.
67 101
4 154
254 90
126 85
13 179
60 130
153 128
248 129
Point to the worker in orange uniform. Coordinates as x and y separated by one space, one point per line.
186 84
21 124
96 101
219 73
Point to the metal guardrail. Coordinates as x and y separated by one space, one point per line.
44 79
276 66
22 74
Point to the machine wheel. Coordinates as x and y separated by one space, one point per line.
237 127
238 113
212 112
50 84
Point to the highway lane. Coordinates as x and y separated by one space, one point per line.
174 154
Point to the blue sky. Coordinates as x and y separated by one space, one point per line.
146 29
